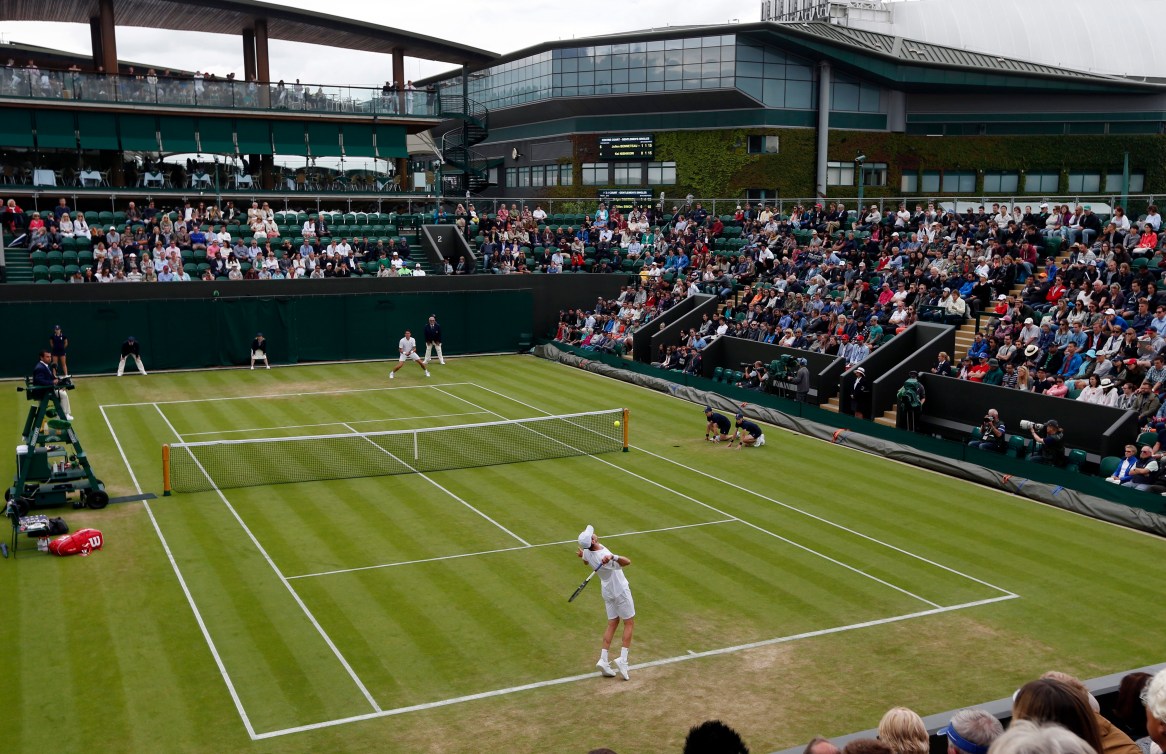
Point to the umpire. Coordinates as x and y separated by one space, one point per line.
433 340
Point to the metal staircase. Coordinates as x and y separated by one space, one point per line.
457 145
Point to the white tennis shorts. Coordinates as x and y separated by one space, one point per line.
622 607
413 356
258 355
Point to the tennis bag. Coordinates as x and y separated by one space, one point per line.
81 542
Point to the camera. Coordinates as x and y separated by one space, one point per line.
1027 424
986 420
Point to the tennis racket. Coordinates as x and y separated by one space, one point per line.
584 584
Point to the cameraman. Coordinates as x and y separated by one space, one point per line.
991 433
42 376
754 377
1050 440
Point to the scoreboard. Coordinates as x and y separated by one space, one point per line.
636 147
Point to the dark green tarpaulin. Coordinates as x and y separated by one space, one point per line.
16 128
357 140
391 141
139 133
254 136
216 135
55 130
324 139
288 137
177 133
98 130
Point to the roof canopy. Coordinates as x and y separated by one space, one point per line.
233 16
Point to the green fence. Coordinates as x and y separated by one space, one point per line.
193 333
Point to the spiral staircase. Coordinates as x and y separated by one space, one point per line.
457 145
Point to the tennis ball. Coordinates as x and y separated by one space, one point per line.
617 422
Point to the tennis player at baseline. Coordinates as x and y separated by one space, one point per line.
748 433
617 598
408 350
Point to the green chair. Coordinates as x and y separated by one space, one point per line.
1147 438
1076 460
1109 465
1016 445
39 257
56 272
718 373
55 257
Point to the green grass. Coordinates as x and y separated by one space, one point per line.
837 584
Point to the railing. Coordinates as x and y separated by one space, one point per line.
150 89
1102 204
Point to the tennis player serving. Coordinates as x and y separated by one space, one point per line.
617 598
408 349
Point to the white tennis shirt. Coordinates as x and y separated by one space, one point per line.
615 584
407 345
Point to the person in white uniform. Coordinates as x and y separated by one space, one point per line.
408 350
617 598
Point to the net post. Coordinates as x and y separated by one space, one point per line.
165 471
626 414
416 452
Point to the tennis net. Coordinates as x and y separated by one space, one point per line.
226 464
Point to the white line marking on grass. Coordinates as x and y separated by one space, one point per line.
284 395
777 502
640 666
182 583
716 510
335 424
502 549
320 629
436 484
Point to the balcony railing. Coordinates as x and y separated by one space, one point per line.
185 92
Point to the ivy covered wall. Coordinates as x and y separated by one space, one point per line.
715 163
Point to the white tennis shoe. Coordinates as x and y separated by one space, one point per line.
392 375
605 668
426 372
622 664
760 441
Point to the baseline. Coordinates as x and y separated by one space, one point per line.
206 635
638 666
793 508
284 395
335 424
291 590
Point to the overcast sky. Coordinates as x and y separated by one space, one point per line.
499 28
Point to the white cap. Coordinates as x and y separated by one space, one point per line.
585 537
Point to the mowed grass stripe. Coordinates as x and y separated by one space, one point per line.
281 668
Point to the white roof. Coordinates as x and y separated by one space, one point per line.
1118 37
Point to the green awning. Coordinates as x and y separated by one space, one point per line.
98 130
391 142
55 130
216 135
357 140
324 139
254 136
16 128
288 137
139 133
177 133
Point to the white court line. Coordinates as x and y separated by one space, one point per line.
283 395
772 500
502 549
720 512
436 484
639 666
278 573
336 424
182 583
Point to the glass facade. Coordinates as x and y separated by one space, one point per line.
775 78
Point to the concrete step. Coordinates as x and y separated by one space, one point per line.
834 404
889 418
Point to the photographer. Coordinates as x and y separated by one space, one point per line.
42 376
755 376
992 433
802 381
1050 440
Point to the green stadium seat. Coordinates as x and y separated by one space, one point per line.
38 257
718 373
1109 465
190 268
71 270
1076 460
85 257
56 272
1147 438
55 257
1016 446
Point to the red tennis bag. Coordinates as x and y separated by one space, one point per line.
81 542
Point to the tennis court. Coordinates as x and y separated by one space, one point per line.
332 602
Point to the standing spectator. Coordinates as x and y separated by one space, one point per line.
259 351
129 348
58 347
